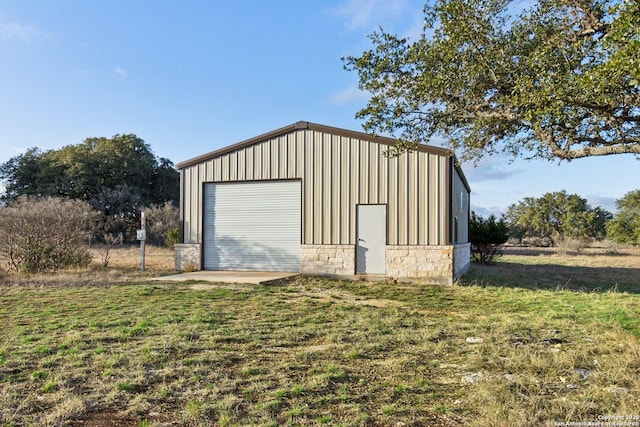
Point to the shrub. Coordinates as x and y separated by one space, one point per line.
172 237
161 221
40 234
487 237
572 245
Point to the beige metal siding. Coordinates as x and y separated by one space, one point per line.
338 172
460 208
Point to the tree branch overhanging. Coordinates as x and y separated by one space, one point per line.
512 88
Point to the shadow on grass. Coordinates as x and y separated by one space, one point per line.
554 277
537 252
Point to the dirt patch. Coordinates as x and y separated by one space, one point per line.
211 287
380 303
340 296
104 419
112 418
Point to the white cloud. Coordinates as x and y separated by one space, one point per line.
605 202
493 168
348 95
121 72
487 212
15 30
359 14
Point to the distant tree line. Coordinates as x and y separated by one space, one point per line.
118 177
555 219
625 227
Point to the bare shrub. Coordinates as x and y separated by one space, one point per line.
567 246
162 224
43 234
110 241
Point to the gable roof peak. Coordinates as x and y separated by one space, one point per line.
304 125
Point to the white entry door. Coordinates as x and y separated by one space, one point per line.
371 235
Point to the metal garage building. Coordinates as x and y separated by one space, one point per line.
323 200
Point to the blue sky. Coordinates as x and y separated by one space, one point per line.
191 77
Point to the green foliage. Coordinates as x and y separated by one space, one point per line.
557 216
45 234
625 227
561 80
117 176
172 237
487 237
119 210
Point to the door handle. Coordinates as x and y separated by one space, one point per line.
361 240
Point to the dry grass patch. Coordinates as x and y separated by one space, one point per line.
313 352
123 267
593 269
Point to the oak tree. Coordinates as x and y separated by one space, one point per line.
81 171
560 80
625 227
117 176
558 216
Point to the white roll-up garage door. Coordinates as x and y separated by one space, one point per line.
254 226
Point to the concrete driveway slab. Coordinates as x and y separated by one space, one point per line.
254 277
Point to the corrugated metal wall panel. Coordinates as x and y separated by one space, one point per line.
346 188
317 190
335 195
335 170
460 209
412 205
444 190
383 175
422 192
392 184
327 188
364 172
401 203
432 201
308 185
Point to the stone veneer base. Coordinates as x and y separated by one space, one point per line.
429 264
328 260
461 259
188 256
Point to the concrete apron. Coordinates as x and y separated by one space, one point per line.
254 277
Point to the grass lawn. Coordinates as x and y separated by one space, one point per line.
538 339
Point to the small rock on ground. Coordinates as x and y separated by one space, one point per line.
472 378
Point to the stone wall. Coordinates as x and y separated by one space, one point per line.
328 260
461 259
188 256
430 264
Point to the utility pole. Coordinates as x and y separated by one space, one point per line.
142 236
